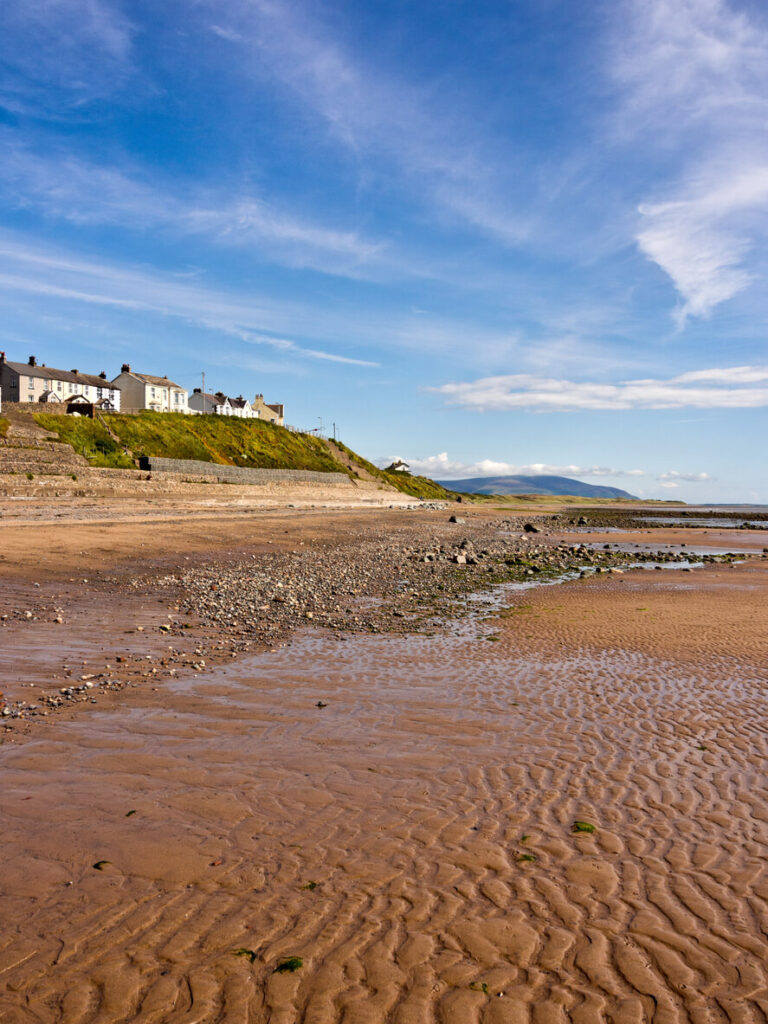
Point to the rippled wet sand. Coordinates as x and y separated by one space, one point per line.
432 802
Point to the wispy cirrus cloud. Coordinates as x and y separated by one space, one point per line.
61 55
694 79
701 241
688 64
66 187
730 388
255 321
377 114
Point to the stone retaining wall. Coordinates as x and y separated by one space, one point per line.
241 475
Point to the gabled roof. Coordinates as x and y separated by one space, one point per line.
239 403
71 376
148 378
213 399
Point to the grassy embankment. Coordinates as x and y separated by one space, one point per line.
221 439
4 424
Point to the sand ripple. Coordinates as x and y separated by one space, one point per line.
432 802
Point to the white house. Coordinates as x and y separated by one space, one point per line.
144 391
241 407
28 382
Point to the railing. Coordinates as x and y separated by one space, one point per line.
313 431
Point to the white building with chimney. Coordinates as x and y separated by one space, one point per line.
145 391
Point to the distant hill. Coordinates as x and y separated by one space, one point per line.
532 485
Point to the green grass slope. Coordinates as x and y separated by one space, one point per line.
4 424
116 440
221 439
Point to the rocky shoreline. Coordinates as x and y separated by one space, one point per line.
382 581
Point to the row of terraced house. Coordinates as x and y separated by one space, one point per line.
128 392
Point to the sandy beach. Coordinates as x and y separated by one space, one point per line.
548 807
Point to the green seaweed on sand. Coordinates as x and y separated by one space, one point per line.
289 965
131 812
479 986
101 864
582 826
247 953
526 857
311 886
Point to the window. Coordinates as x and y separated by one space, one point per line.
31 384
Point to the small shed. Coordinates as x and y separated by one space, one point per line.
78 405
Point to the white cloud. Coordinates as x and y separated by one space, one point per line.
689 478
546 394
694 76
701 242
441 467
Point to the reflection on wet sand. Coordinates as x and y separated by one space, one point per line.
412 840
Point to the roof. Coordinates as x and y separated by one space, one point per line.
239 403
213 399
148 378
49 373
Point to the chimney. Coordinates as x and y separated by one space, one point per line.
74 371
125 368
197 391
32 361
2 357
103 375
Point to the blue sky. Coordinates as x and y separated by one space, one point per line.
483 236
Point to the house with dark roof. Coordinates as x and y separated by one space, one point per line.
203 403
241 407
145 391
28 382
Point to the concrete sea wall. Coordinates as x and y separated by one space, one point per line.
241 475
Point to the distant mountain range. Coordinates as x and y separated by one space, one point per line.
532 485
